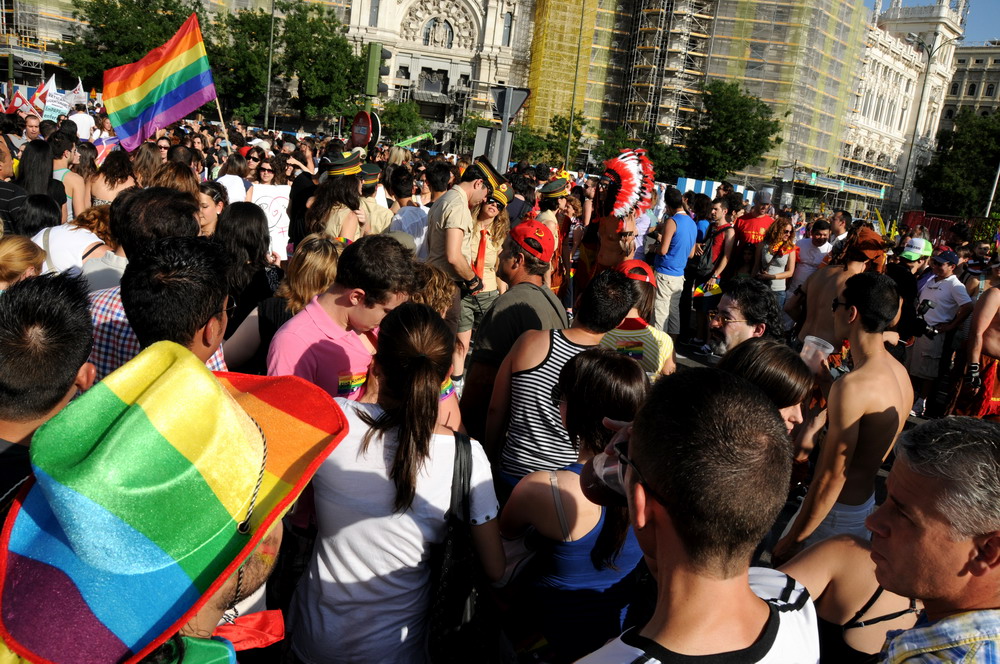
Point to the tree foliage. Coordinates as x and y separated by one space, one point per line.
309 47
959 178
611 143
116 32
558 137
237 47
530 144
669 161
315 50
734 131
401 120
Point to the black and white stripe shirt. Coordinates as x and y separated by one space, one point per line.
536 438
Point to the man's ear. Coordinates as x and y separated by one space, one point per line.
759 329
356 296
987 557
85 376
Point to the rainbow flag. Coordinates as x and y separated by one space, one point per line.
705 289
163 87
104 147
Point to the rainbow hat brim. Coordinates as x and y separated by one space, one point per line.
140 484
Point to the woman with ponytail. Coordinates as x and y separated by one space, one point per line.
381 500
575 590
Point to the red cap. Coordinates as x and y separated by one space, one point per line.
243 150
539 232
629 269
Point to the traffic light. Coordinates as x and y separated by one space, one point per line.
378 67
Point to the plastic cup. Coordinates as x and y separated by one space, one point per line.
814 351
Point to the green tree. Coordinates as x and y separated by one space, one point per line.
959 178
314 49
669 161
466 134
111 33
530 144
733 131
612 141
238 46
401 120
558 137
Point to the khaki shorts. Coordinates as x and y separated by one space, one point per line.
473 308
923 358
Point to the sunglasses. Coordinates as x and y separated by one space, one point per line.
621 450
723 319
253 158
837 304
266 170
500 206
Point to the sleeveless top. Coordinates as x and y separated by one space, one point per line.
98 201
59 175
833 647
334 220
569 566
536 438
774 264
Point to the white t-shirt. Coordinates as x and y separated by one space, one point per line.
84 125
412 220
273 200
947 295
366 593
235 187
808 260
790 637
65 246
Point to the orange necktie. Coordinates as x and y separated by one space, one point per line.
477 265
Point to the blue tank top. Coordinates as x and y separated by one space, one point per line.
568 565
674 262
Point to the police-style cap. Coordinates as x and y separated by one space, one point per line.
346 163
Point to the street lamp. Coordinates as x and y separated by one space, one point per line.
931 50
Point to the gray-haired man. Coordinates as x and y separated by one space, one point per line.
936 539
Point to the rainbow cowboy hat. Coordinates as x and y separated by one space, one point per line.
151 490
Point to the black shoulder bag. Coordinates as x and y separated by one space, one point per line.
458 630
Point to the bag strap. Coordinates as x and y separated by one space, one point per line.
554 483
461 477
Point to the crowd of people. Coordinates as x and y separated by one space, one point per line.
228 437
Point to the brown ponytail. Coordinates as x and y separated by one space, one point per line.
414 355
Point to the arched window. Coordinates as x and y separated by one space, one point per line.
508 27
949 114
954 89
972 90
438 32
991 90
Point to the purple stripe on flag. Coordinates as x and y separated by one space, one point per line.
170 108
65 631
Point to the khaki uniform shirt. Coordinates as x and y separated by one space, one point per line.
379 216
450 211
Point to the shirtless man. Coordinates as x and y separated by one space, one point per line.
827 282
867 411
982 352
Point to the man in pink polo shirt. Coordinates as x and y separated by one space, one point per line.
330 342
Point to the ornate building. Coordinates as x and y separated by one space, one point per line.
447 53
976 83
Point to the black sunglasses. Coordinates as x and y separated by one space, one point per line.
266 170
493 201
621 449
837 303
253 158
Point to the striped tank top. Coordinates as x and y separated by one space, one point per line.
536 438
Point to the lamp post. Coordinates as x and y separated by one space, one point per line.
270 60
931 50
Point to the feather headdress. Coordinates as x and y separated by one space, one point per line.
630 177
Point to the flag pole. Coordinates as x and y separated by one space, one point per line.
218 106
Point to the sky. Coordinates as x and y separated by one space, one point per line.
983 22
